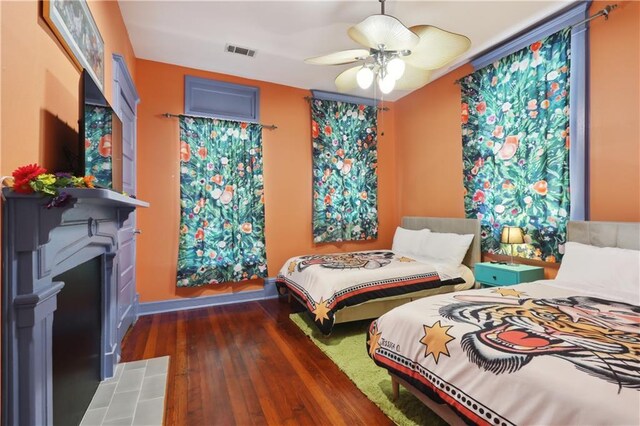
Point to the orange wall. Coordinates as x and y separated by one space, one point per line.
287 173
430 149
429 135
39 87
615 113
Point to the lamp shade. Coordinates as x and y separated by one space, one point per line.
386 84
364 77
512 235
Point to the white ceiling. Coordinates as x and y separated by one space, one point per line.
194 33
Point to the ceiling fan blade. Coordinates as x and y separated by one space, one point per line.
436 47
413 78
377 30
346 80
339 58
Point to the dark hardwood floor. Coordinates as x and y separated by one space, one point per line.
246 364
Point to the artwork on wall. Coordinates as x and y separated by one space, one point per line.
72 23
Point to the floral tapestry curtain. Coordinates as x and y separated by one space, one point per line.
515 136
345 176
221 202
97 144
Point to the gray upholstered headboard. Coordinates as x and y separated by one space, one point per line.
605 234
453 225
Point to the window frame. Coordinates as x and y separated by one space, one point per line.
248 94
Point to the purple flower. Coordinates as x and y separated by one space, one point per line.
59 201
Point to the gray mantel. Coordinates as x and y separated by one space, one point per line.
39 243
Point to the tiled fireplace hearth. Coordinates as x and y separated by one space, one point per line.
38 245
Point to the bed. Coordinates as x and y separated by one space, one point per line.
343 287
546 352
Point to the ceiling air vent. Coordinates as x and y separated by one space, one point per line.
240 50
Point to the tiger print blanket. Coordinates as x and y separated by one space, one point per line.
329 282
527 354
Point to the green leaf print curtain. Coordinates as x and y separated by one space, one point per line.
345 175
515 136
221 202
97 143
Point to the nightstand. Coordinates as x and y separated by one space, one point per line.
495 274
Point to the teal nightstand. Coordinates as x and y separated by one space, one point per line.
495 274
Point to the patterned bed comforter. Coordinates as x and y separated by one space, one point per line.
327 283
526 354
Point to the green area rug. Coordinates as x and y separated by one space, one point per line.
347 349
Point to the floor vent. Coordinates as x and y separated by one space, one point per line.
240 50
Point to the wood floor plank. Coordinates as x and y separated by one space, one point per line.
246 409
247 364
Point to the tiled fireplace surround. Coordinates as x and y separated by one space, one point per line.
39 244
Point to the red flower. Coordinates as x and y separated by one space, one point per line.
327 130
536 46
465 113
314 129
22 176
540 187
185 152
481 107
202 152
509 148
104 146
478 197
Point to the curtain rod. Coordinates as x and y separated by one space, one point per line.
603 12
310 98
264 126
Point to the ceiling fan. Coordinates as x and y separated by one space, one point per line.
400 57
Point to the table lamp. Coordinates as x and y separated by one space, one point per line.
512 235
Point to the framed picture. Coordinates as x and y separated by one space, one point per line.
73 24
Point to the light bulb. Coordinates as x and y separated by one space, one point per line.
386 84
395 68
364 77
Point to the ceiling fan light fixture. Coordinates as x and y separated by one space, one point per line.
395 68
396 56
386 83
364 77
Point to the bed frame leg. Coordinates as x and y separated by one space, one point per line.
395 387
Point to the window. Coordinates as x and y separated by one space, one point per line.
210 98
517 111
578 166
345 159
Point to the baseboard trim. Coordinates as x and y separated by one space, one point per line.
268 292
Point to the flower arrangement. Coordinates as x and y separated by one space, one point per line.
32 178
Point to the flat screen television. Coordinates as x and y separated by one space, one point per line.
100 134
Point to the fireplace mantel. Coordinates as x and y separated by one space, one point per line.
39 243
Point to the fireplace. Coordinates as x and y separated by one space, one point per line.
75 349
49 257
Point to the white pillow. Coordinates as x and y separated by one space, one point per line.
610 272
408 241
447 248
